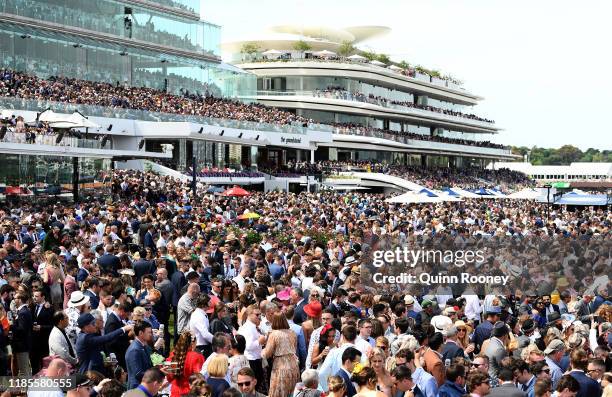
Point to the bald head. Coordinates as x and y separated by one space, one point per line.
57 368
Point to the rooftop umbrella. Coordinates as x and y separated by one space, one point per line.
377 63
324 53
428 193
357 57
249 215
235 192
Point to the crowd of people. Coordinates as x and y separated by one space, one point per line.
157 290
405 136
75 91
342 93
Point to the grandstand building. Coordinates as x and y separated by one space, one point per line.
162 45
575 172
406 116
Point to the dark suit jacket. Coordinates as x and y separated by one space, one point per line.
588 387
350 389
138 360
82 275
299 316
451 350
45 320
22 331
178 282
88 348
109 263
149 242
94 300
142 267
217 256
120 344
506 390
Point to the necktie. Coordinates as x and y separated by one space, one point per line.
38 309
70 350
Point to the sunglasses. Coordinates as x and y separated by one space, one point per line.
241 384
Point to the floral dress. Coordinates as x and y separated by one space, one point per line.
281 346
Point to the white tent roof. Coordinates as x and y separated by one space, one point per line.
412 197
49 116
465 193
377 62
356 57
80 120
393 67
272 52
324 53
525 194
60 120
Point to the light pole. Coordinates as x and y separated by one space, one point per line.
548 186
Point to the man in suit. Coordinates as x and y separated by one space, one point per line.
402 377
138 355
496 350
584 309
22 335
297 300
350 357
454 386
549 308
109 262
93 291
59 344
433 358
152 381
84 270
149 241
507 387
90 343
141 267
215 253
589 387
115 321
42 314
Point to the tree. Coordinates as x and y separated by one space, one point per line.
346 49
384 58
301 46
249 49
404 65
568 154
369 55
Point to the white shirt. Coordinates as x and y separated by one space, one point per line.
251 335
472 307
198 325
204 370
240 281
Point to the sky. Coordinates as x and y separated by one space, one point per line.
544 67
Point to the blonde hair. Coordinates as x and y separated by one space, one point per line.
335 383
139 311
217 367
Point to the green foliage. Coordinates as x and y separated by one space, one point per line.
346 49
403 65
369 55
384 58
249 48
252 237
301 46
562 156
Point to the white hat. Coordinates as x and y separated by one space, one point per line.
77 298
441 323
408 300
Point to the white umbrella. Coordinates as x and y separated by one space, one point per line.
49 116
412 197
357 57
82 121
324 53
377 63
393 67
525 194
272 52
465 193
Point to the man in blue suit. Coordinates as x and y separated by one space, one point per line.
350 357
588 386
138 355
109 262
90 344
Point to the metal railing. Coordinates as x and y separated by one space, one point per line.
52 140
145 115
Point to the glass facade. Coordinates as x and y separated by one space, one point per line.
47 53
124 20
51 176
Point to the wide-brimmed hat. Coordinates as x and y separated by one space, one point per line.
313 309
408 300
284 295
553 346
77 298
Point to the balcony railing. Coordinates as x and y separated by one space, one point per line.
51 140
348 96
145 115
422 143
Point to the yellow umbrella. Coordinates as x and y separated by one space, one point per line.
249 215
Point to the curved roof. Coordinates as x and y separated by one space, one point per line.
316 32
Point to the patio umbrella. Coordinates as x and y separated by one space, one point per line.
324 54
215 189
377 63
249 215
393 67
272 52
412 197
236 191
357 58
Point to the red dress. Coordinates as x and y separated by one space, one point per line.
180 383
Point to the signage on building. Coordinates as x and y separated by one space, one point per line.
291 140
